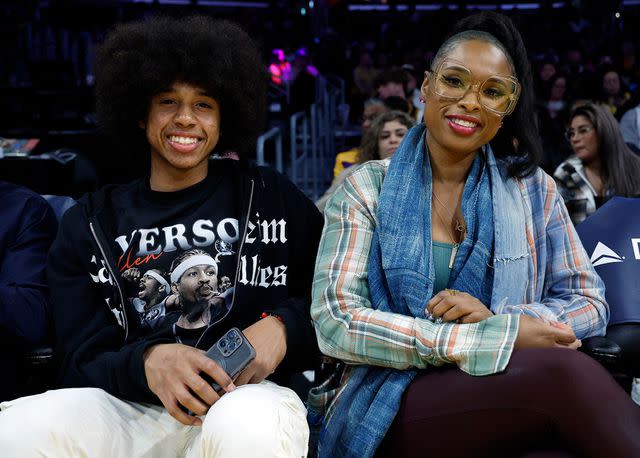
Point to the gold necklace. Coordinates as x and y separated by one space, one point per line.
459 228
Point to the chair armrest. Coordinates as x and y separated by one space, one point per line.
39 356
603 350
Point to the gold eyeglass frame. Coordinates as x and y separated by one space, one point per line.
513 98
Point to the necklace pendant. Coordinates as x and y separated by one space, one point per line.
454 251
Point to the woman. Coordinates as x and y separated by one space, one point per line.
379 142
603 165
613 93
372 108
449 211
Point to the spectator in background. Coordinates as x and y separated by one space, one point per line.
603 165
414 81
27 228
546 71
613 92
372 108
392 82
303 83
630 125
552 111
364 76
379 142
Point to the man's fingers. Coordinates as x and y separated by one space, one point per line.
203 389
186 399
177 412
216 373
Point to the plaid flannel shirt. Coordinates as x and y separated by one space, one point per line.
564 287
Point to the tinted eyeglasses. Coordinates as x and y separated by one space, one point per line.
580 131
451 80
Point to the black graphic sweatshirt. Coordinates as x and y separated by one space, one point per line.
128 263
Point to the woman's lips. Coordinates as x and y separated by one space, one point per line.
463 125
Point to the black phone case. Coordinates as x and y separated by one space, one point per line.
232 352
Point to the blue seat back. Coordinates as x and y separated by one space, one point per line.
611 237
59 204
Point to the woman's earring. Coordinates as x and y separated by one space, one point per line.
421 99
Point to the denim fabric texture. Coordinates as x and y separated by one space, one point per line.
401 277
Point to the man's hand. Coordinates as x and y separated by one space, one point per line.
173 374
269 338
132 274
535 333
457 306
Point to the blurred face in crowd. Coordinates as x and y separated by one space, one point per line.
462 126
584 139
558 89
370 113
547 71
611 83
391 89
183 128
390 138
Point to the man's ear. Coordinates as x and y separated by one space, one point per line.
174 288
142 125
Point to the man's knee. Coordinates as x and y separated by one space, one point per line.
256 420
52 415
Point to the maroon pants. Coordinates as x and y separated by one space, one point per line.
549 402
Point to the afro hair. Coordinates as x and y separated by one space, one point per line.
141 59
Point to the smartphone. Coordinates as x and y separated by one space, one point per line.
232 352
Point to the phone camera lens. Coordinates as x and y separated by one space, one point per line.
238 340
223 343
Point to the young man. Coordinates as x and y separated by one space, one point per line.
180 90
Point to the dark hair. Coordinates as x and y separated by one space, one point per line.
390 75
397 103
141 59
620 166
518 140
369 146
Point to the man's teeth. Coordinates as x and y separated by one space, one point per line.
183 140
462 122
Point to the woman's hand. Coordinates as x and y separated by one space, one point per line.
535 333
173 374
457 306
268 337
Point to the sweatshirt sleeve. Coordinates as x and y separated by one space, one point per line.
89 340
306 226
24 306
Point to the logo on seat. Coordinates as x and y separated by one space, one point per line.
604 255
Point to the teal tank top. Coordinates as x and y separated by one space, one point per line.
441 257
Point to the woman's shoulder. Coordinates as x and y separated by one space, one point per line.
539 186
370 174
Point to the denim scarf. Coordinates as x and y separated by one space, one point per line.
401 279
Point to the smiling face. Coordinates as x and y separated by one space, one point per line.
390 138
183 128
461 127
584 140
196 283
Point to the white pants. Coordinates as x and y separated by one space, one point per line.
263 420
